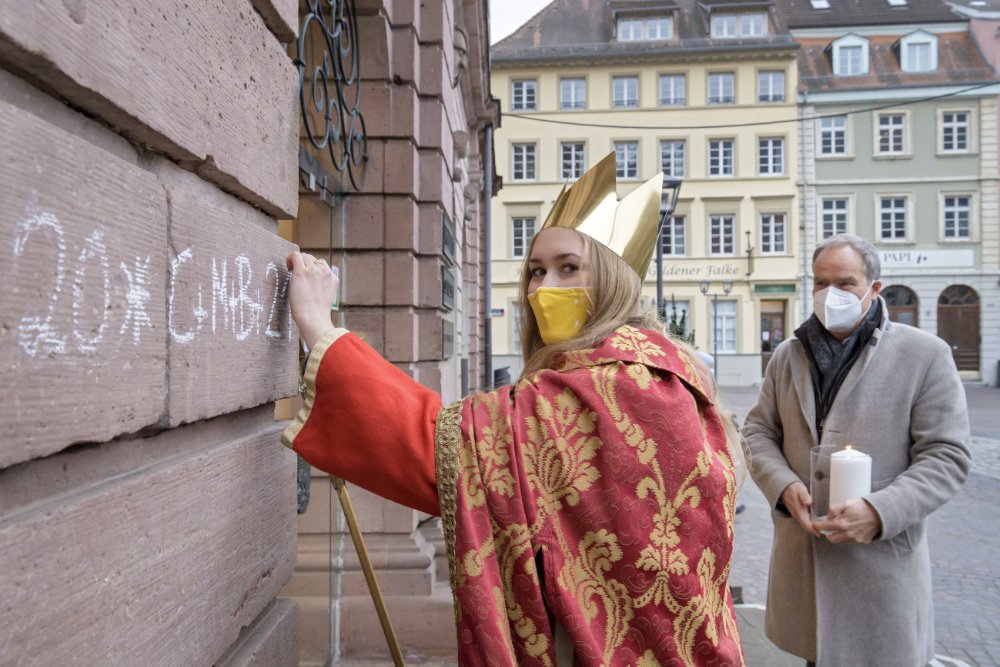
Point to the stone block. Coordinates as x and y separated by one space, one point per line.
434 179
83 263
376 54
402 167
141 68
281 17
272 640
431 330
406 47
400 335
160 562
429 283
401 222
369 323
364 223
430 229
401 278
429 374
364 279
232 340
434 78
412 616
433 124
375 173
405 13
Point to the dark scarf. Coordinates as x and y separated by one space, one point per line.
832 359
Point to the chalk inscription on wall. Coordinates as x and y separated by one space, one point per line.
206 295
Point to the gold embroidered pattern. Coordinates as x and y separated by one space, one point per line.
447 437
558 450
585 576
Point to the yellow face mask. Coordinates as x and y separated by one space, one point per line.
560 312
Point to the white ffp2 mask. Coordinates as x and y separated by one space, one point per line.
837 309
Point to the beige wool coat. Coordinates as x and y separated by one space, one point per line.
903 403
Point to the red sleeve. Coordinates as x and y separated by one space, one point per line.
366 421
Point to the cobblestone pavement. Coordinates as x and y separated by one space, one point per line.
964 541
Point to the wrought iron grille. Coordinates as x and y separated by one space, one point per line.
329 64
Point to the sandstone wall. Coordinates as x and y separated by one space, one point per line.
146 506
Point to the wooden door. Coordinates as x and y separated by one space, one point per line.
958 325
772 329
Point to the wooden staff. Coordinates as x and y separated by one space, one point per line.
366 566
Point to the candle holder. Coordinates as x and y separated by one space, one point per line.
819 480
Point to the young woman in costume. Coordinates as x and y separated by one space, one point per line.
588 508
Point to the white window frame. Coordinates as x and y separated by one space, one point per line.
725 26
630 30
943 215
847 42
673 100
821 212
721 173
673 157
629 84
573 104
523 106
753 24
622 170
649 29
822 131
769 161
674 244
527 149
775 94
658 33
724 240
519 238
726 322
943 124
578 160
903 132
907 210
773 225
915 38
718 80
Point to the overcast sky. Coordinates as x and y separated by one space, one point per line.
506 16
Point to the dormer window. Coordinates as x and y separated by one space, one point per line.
730 25
918 52
850 56
645 29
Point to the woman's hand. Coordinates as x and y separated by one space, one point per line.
312 292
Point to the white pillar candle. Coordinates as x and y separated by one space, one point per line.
850 475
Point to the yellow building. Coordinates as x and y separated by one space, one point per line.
704 92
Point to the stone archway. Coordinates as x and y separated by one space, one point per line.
958 324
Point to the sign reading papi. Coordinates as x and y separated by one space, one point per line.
130 300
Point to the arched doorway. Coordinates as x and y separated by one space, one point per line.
958 324
903 304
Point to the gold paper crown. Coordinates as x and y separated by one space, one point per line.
629 227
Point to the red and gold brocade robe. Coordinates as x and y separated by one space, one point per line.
610 472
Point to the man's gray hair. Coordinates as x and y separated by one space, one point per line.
873 267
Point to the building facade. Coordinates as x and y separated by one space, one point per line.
704 91
899 141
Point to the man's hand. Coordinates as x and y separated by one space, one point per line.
313 289
853 522
797 501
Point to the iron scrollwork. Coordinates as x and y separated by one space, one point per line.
329 64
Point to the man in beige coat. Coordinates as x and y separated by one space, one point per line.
855 589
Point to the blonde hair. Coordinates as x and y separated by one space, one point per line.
615 300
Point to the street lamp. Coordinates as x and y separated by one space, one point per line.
671 190
727 287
